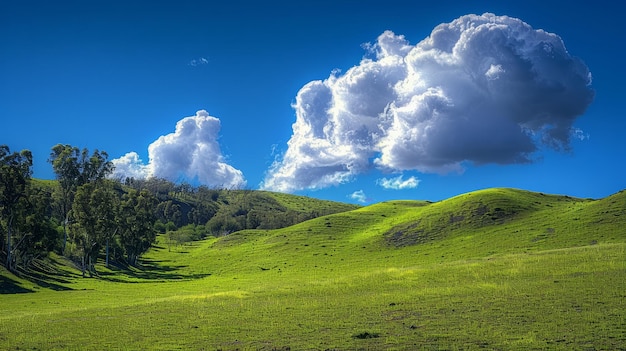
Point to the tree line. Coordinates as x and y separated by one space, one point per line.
85 215
80 216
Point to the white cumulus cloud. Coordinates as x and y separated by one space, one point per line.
191 153
130 166
480 89
398 183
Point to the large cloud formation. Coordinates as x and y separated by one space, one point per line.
481 89
191 153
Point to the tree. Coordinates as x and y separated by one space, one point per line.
95 167
74 168
107 221
94 213
15 173
64 160
136 220
35 234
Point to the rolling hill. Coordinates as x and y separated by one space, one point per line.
492 269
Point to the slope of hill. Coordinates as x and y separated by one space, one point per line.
473 225
270 210
491 269
224 210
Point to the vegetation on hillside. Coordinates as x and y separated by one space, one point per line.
550 274
86 216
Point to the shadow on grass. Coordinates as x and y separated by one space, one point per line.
46 275
153 270
51 274
10 286
46 281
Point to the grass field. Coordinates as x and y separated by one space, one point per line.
497 269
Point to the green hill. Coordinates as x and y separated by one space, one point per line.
223 210
492 269
473 225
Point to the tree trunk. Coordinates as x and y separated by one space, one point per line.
107 253
65 233
8 265
132 259
82 266
91 265
9 248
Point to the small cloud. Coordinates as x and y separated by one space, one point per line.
359 196
275 150
494 72
398 183
199 62
579 134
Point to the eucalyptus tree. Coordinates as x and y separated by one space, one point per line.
94 221
94 167
74 168
15 173
64 160
136 223
34 233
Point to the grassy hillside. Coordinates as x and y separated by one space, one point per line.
270 210
223 210
497 269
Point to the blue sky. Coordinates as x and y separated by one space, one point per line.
341 100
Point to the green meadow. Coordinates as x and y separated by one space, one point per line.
496 269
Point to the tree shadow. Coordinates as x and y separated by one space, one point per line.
45 276
149 270
45 273
51 274
46 281
10 286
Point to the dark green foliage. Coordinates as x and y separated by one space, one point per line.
158 187
136 223
86 201
186 235
74 168
245 209
227 211
94 209
25 212
15 172
36 234
159 227
169 226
